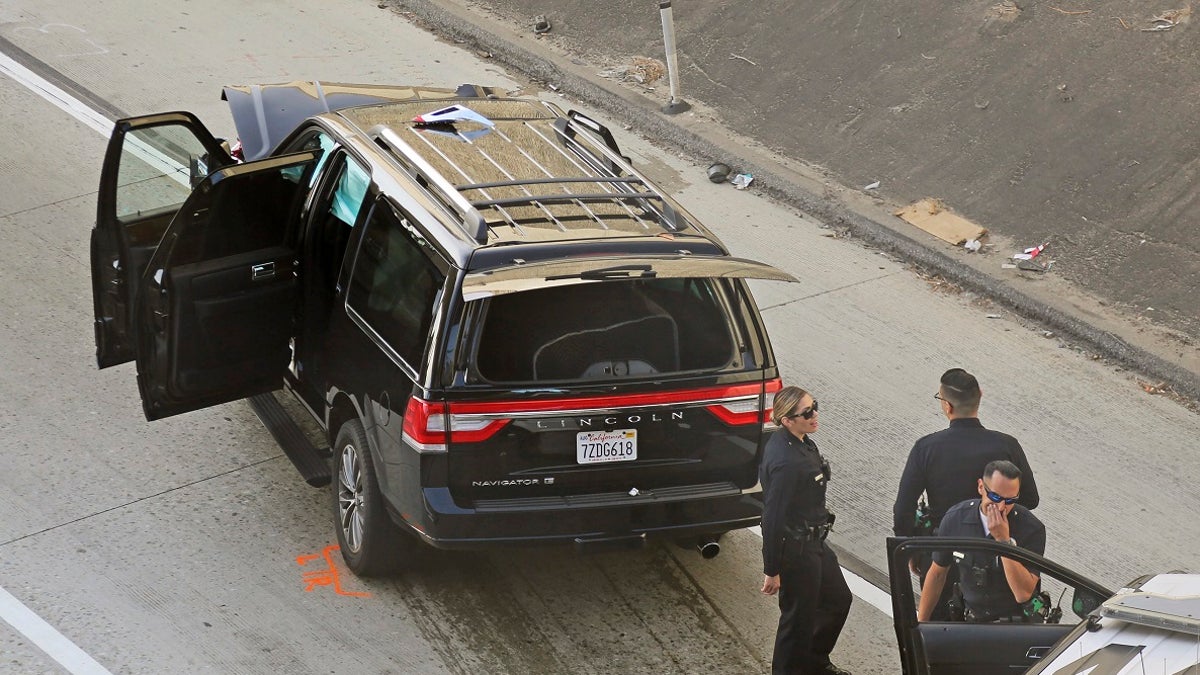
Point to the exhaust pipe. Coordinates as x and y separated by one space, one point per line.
708 547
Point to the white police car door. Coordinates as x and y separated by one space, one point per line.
150 167
215 309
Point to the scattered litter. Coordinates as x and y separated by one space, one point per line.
742 181
1047 334
1008 266
1064 11
1031 252
973 245
1031 266
1124 25
993 316
1062 87
736 56
541 24
718 172
1149 309
983 105
452 114
931 58
931 215
872 186
641 69
633 492
1160 388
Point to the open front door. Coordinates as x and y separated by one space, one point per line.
216 306
957 647
149 169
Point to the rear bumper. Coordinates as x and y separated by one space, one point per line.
582 520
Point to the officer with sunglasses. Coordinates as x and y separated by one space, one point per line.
814 599
994 588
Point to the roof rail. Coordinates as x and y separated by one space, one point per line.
568 128
473 222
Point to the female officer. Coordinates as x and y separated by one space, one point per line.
797 564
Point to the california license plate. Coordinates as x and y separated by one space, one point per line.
596 447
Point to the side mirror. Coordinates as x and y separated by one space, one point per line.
1084 602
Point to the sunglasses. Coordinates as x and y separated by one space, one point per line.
807 413
996 499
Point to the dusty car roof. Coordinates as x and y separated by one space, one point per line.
522 170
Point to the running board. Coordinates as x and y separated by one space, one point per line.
310 461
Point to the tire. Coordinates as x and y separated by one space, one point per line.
371 543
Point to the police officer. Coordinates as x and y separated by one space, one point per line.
993 587
797 564
945 465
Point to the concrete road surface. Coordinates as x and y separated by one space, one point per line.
187 545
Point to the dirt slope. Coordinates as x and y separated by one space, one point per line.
1068 123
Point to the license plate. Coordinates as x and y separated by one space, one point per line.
596 447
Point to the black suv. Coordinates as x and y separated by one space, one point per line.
507 334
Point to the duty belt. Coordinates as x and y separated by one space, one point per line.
809 532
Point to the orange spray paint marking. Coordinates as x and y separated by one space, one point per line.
325 577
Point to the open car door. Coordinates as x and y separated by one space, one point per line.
215 309
956 647
149 169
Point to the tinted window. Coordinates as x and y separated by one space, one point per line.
394 285
248 210
608 330
157 164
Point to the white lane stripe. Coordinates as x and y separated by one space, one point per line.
53 94
49 640
865 590
13 611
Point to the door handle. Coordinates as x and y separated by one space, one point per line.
262 271
1036 653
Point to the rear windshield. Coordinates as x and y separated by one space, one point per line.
607 331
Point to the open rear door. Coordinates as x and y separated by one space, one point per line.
149 169
593 269
957 647
216 306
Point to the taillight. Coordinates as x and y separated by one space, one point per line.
745 410
425 426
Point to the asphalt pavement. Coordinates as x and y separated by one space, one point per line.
180 545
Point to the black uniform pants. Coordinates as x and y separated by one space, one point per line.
814 601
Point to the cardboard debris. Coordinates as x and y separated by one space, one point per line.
930 215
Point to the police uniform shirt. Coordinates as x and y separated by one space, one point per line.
946 464
990 595
794 482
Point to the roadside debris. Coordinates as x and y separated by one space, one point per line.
541 24
972 245
931 215
872 186
1160 388
718 172
994 316
1031 266
1168 20
641 70
742 181
1031 252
